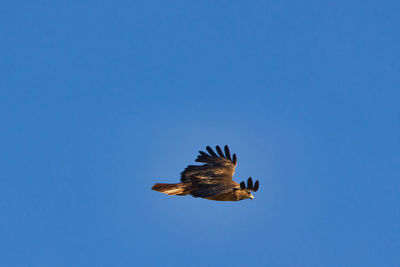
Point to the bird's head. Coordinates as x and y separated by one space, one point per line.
245 192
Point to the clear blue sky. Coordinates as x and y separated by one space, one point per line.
100 99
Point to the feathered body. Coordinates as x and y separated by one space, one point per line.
212 180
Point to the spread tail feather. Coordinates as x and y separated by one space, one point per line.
180 189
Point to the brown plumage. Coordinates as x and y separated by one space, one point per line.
212 180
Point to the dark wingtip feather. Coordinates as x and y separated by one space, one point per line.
227 152
234 160
256 185
203 153
220 152
250 183
242 185
202 157
212 153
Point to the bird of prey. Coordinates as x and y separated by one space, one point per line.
212 180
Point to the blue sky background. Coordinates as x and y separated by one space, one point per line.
100 99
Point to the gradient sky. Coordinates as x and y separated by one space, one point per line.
100 99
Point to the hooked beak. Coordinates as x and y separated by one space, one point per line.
251 196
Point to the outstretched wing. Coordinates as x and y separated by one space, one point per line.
218 168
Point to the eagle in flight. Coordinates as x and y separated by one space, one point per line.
212 180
